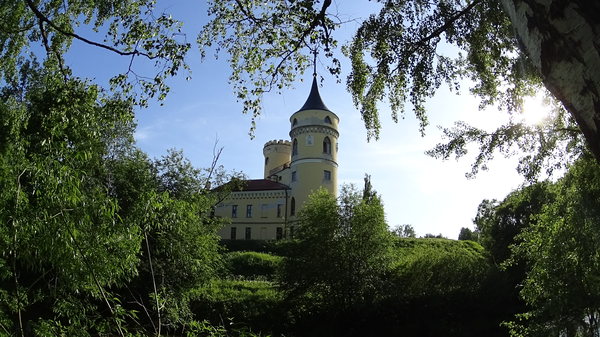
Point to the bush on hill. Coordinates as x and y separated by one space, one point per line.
252 265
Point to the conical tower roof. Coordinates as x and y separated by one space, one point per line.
314 101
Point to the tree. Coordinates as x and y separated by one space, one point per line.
405 231
468 234
62 245
499 223
342 253
130 28
558 38
168 200
433 236
398 55
92 230
560 247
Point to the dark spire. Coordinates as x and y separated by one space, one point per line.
314 101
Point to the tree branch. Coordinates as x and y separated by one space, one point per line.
50 51
43 18
319 19
153 284
248 14
438 31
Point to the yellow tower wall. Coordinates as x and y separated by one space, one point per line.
313 166
277 155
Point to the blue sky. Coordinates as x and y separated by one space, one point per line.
432 195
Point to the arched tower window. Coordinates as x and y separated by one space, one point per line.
293 206
327 120
295 122
266 160
326 145
295 147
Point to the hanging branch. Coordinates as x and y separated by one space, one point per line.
319 20
43 18
98 285
14 260
51 51
441 29
153 284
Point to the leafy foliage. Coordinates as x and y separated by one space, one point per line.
89 226
468 234
561 249
404 231
402 55
62 245
342 252
245 303
130 28
499 223
253 264
439 267
267 42
543 148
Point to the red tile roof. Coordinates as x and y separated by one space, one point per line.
262 185
254 185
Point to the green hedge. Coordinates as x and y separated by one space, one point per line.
252 265
240 303
277 247
434 267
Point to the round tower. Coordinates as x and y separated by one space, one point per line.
314 135
277 156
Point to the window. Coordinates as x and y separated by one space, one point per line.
295 147
279 210
295 122
248 211
293 206
234 211
263 210
327 120
279 233
327 175
233 234
266 161
294 176
248 233
327 145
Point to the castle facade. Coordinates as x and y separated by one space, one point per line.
267 209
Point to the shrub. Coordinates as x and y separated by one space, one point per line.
435 267
250 304
252 265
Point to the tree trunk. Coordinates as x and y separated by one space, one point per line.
562 39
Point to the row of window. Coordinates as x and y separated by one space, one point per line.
327 120
248 233
326 146
326 176
264 208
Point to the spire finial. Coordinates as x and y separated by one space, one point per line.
315 52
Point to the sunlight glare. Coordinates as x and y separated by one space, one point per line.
534 110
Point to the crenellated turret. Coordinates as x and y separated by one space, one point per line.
277 156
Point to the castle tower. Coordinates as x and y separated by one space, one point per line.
277 157
314 137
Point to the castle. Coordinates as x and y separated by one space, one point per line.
267 209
